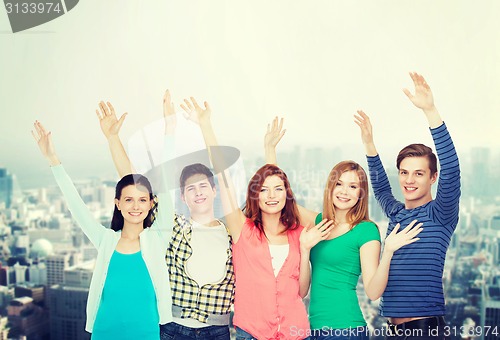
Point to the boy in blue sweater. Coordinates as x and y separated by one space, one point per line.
413 301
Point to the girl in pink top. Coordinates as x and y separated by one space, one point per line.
272 273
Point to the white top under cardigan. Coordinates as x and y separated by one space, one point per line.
153 241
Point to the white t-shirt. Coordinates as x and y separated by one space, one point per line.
207 263
279 253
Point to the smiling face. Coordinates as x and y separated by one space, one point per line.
199 195
415 180
134 204
346 192
272 196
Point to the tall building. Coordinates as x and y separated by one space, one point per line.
56 264
68 302
490 311
27 319
6 187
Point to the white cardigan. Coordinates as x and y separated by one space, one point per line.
153 241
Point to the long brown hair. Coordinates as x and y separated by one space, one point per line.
358 212
289 215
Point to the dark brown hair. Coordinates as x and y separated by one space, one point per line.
418 150
289 215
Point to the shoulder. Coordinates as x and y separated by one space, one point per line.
367 230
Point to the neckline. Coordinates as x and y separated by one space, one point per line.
125 254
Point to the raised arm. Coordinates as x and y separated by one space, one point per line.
448 192
110 127
165 217
375 273
79 210
272 137
234 216
424 100
378 177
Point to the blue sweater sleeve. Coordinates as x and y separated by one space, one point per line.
382 187
164 219
446 204
79 210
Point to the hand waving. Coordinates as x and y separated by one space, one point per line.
312 236
110 125
396 240
44 141
274 133
363 121
194 112
423 98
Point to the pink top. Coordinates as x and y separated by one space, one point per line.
266 306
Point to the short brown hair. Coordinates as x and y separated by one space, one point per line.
418 150
196 169
359 212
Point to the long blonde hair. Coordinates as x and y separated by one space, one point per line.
358 212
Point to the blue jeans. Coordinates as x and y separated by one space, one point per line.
174 331
242 335
354 333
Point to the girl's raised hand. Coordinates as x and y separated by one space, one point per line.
44 141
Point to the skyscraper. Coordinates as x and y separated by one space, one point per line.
6 187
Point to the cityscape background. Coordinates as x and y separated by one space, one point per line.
47 262
313 62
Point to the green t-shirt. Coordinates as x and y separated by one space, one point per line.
336 268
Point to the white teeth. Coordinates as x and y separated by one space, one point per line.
411 188
135 213
342 199
272 203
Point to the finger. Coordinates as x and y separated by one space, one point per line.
328 230
408 93
42 128
413 240
413 77
395 230
188 105
37 129
415 232
325 224
282 133
268 128
98 114
111 109
166 96
121 120
411 224
104 109
185 109
363 114
280 127
34 136
359 119
207 106
195 103
275 123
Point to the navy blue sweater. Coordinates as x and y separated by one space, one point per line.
415 285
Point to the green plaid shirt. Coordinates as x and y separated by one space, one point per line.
196 302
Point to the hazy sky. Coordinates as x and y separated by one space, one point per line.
314 62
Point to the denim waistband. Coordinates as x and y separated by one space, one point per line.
198 333
424 324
